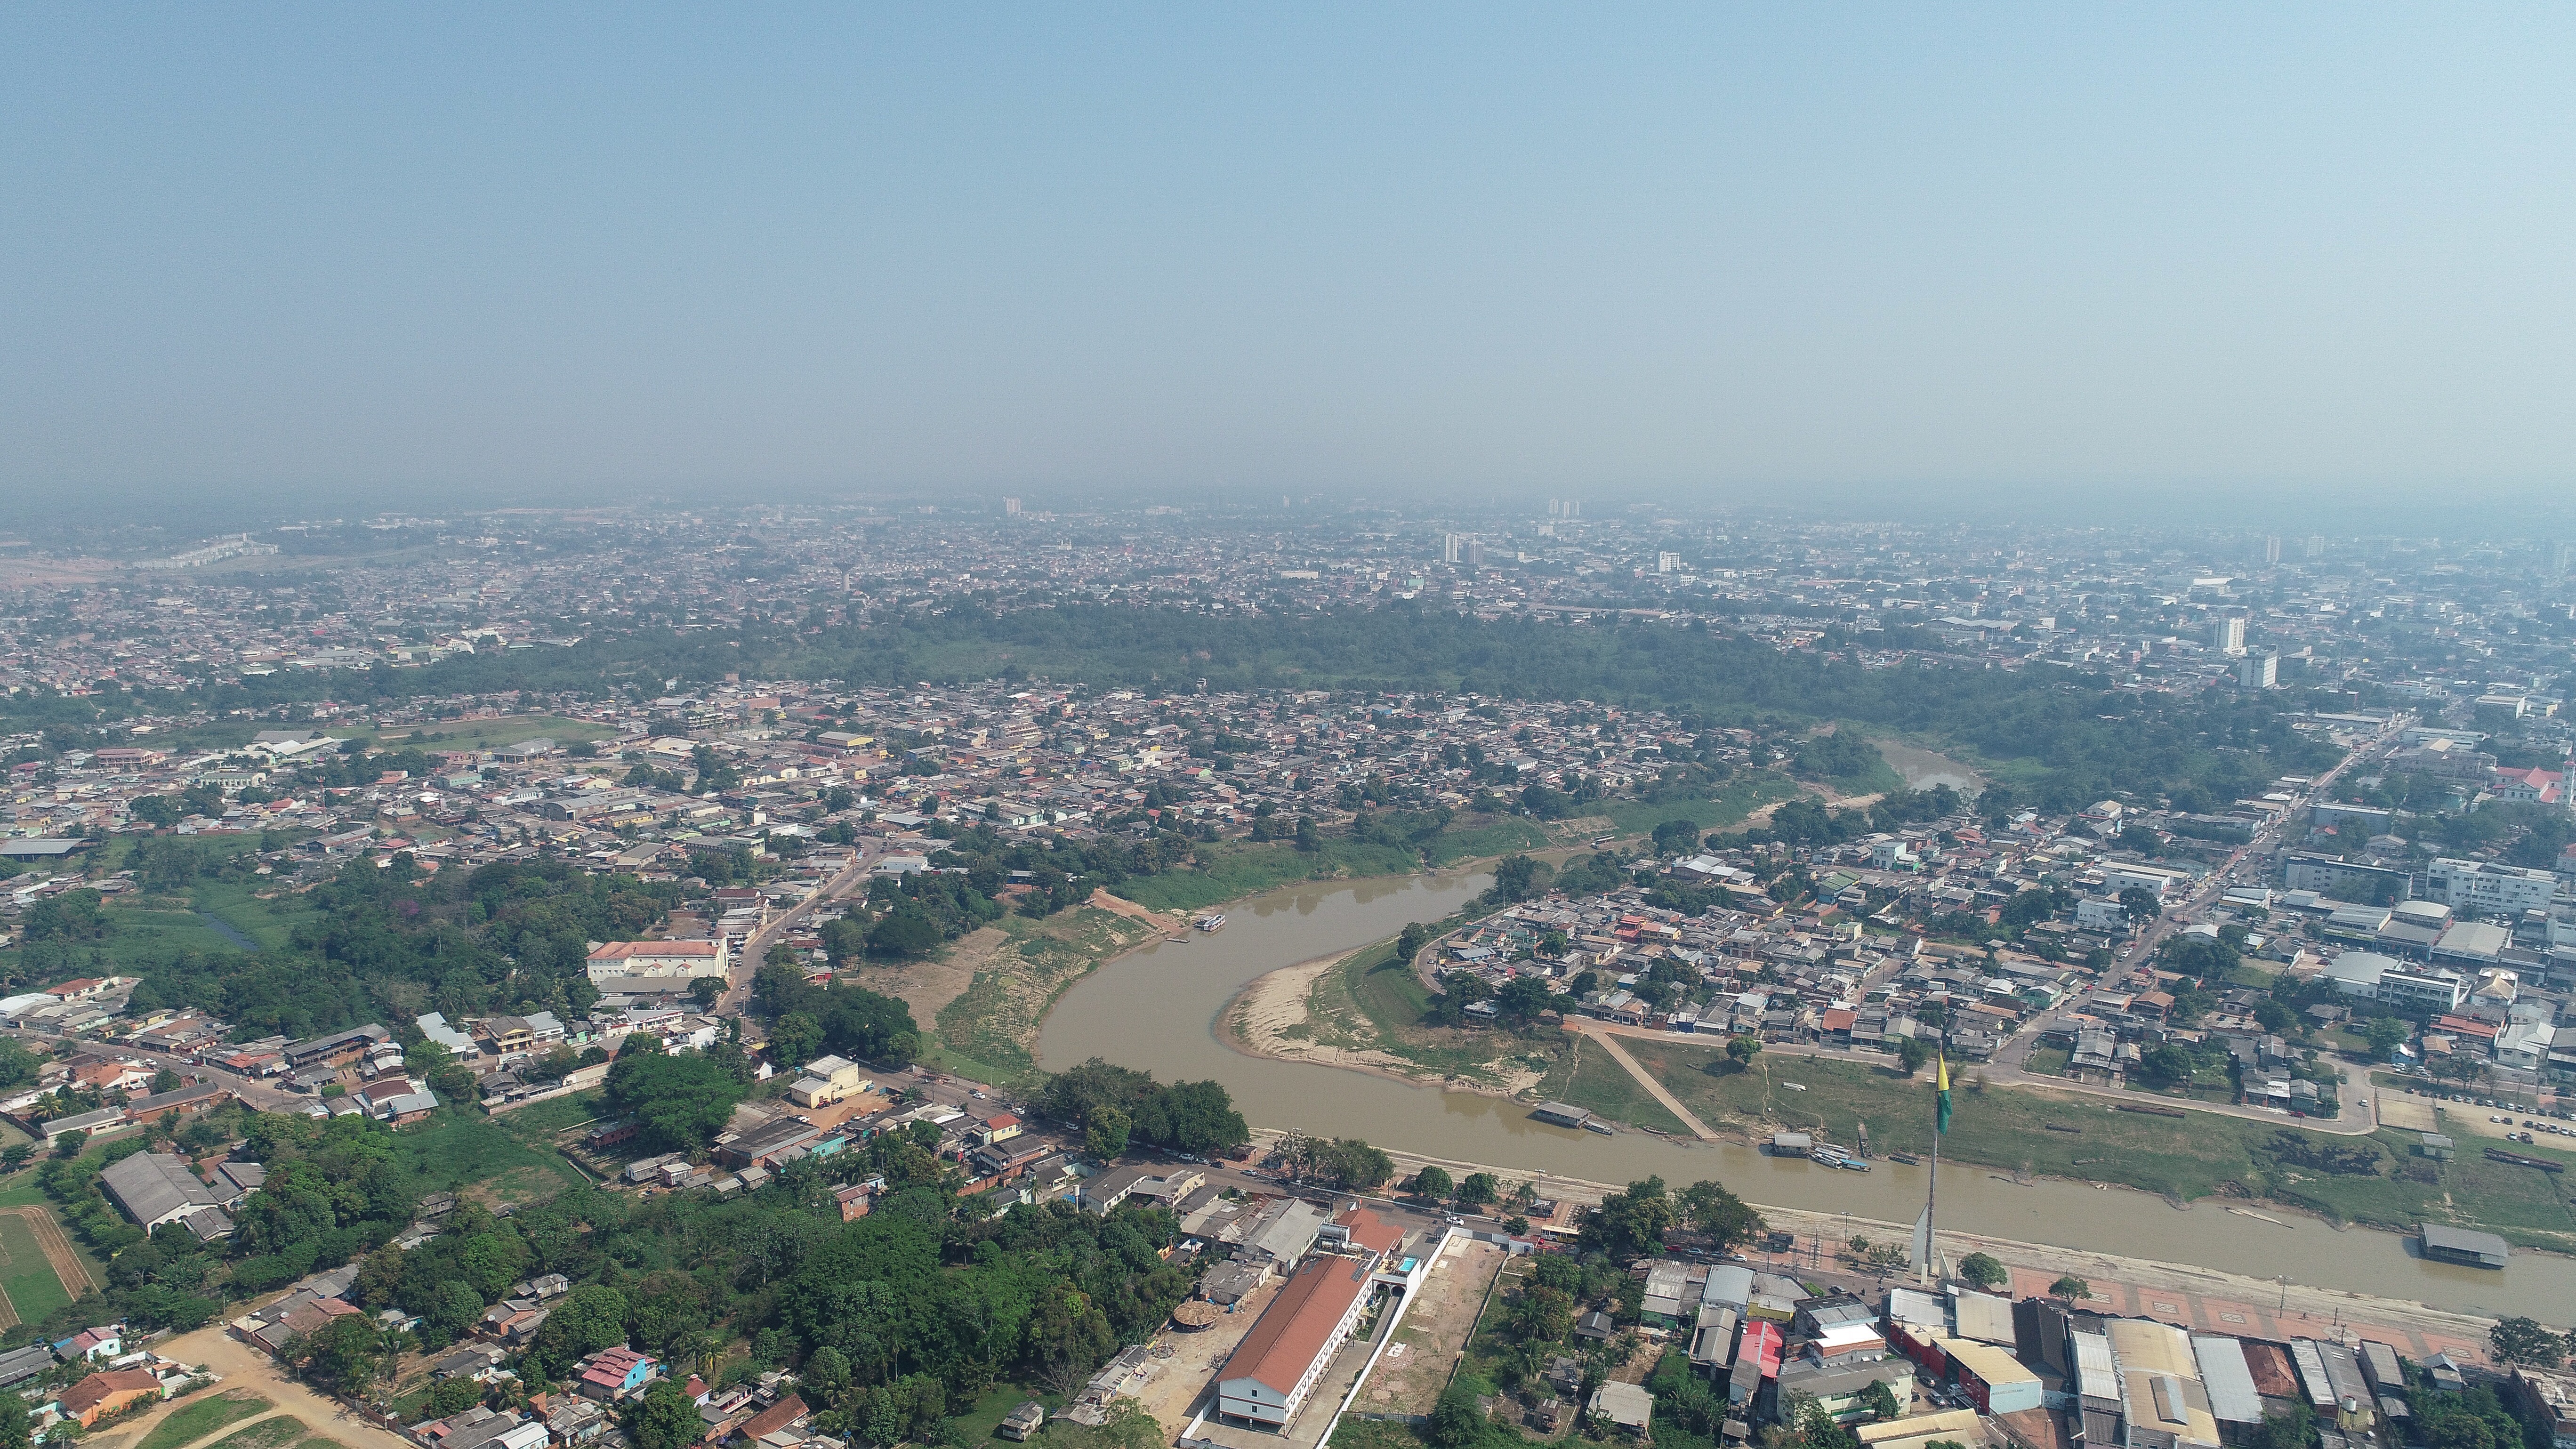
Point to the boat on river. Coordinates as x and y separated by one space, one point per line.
1212 921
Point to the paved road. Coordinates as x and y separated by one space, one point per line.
737 993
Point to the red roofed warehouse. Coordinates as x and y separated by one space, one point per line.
1280 1361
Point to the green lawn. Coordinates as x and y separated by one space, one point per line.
269 923
193 1421
459 1148
1371 1001
1229 870
2187 1157
977 1421
1587 1077
274 1433
25 1275
1726 806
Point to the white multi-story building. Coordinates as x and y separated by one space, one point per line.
2488 888
2227 633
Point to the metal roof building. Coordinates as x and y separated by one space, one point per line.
2233 1401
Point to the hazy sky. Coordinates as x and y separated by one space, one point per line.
374 252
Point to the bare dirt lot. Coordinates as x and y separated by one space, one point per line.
244 1367
1415 1367
1182 1380
928 985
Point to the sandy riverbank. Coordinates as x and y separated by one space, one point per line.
1275 1016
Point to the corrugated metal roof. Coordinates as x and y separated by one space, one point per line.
2232 1397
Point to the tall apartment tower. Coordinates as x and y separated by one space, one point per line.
1450 545
1010 508
2272 549
2227 633
1475 553
2259 671
2316 545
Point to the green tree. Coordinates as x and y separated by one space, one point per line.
679 1102
905 932
1913 1053
341 1355
1410 941
1632 1223
161 811
2140 905
2168 1063
1983 1271
1709 1209
1477 1189
2071 1286
2385 1034
705 989
454 1396
1742 1050
2522 1340
1541 1314
72 916
795 1039
663 1417
1516 878
1105 1135
1431 1182
1879 1400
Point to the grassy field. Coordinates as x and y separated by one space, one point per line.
1371 1001
269 922
990 1031
25 1275
194 1421
460 1151
1229 870
1728 806
276 1433
977 1421
1586 1076
142 935
2201 1155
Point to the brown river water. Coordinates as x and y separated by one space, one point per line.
1157 1009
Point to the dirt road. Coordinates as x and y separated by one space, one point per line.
1599 1034
245 1367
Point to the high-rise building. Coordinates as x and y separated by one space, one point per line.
2316 545
1450 545
1475 553
1668 563
1010 508
2272 549
2227 633
2259 671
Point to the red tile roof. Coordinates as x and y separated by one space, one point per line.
1298 1324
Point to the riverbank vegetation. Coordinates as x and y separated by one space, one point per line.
2377 1179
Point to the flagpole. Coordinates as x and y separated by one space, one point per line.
1931 1196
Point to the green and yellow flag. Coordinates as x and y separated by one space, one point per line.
1941 1109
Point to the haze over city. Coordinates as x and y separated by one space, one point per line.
1485 727
2014 259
